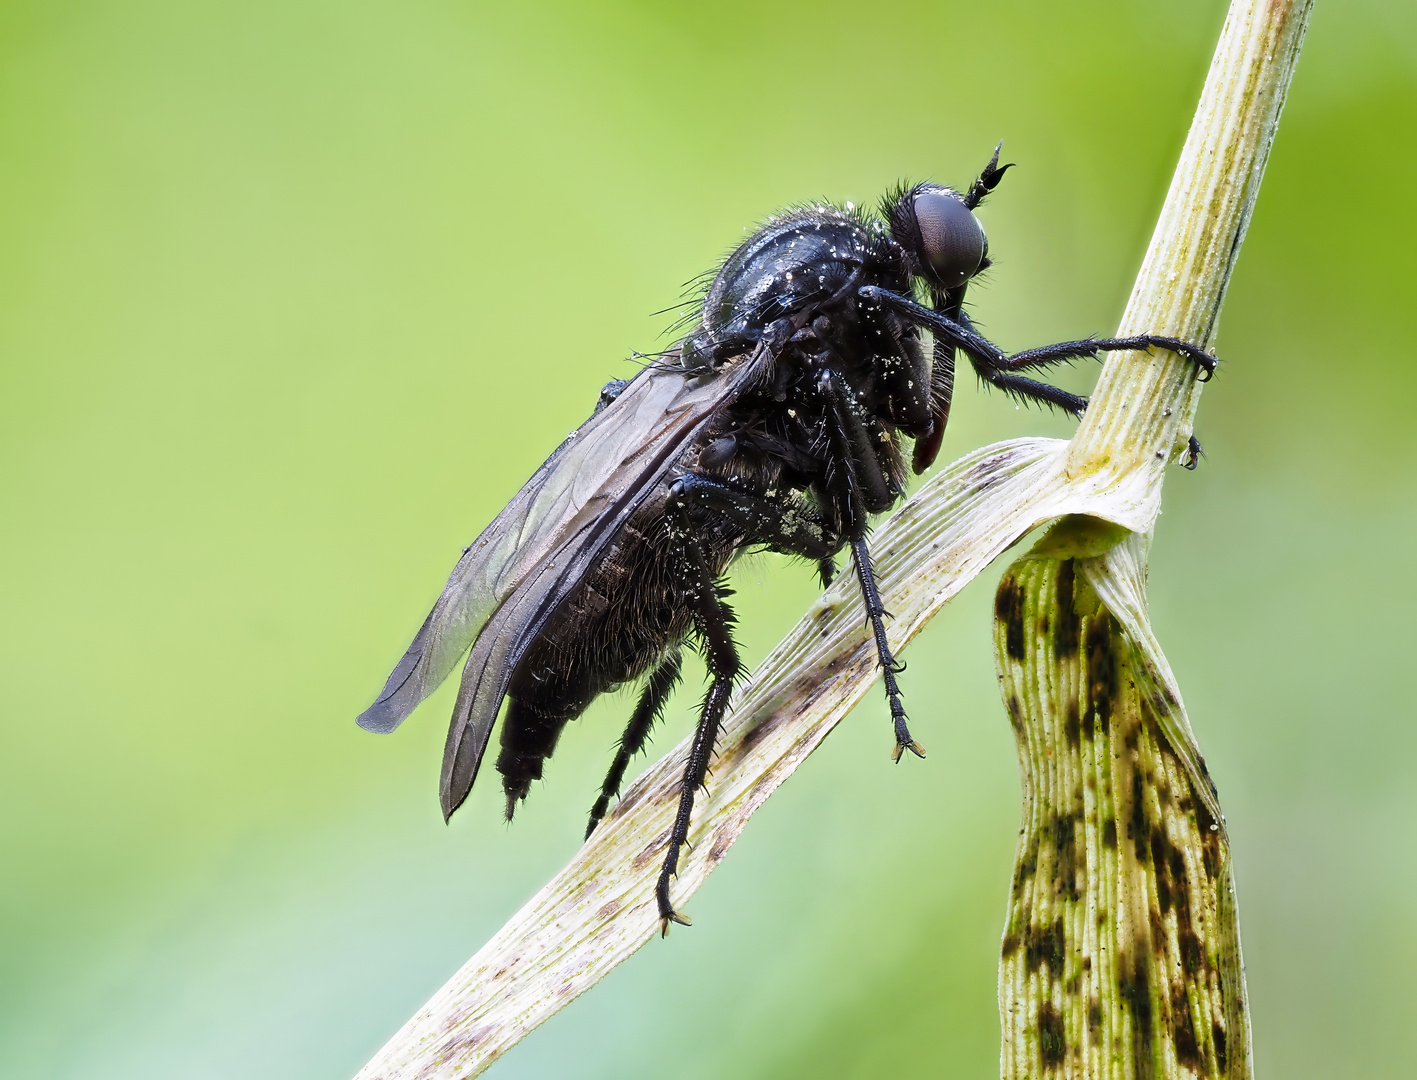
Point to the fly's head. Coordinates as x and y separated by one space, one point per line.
943 241
935 226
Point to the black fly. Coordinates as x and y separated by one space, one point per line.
777 423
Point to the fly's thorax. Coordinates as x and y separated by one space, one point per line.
790 293
788 266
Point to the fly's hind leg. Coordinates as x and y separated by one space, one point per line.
647 713
713 620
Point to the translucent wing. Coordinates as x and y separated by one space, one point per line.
538 549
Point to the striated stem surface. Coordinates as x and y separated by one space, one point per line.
1143 408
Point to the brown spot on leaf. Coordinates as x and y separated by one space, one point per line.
653 850
1186 939
1183 1034
1135 995
763 728
1161 867
1052 1047
1008 609
1046 943
1177 864
1027 863
466 1042
1136 827
1072 722
990 471
1210 840
1101 670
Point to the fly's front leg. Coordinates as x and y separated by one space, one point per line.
1090 347
712 619
989 361
998 368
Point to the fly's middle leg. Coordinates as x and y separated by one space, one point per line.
859 461
890 667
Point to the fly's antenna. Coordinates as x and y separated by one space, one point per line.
988 180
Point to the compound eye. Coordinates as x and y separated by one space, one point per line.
951 239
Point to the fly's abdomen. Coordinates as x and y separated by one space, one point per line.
617 625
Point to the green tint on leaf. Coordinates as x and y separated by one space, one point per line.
1121 951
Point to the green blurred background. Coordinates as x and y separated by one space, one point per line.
294 295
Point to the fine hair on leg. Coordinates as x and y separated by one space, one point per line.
647 713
